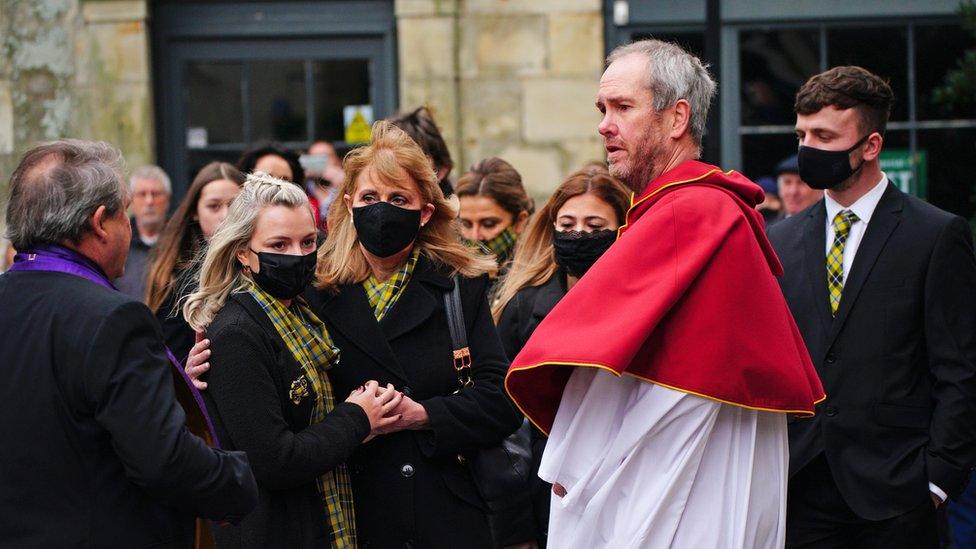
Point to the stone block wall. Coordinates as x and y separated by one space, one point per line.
74 68
509 78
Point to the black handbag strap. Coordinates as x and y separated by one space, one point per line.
459 335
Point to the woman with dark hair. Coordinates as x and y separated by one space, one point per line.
568 235
171 266
281 163
495 208
274 160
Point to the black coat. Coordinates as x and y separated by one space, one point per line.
95 452
518 321
248 397
898 362
177 334
410 488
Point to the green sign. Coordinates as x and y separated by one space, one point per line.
908 173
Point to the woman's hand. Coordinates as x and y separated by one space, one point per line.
380 404
413 416
197 361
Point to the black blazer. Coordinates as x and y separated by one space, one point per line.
95 451
248 385
521 316
898 362
409 487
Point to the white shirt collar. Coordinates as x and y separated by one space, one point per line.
863 208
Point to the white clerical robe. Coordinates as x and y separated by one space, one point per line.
647 466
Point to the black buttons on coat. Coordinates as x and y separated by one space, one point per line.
830 411
831 358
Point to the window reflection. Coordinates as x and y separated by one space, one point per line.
277 101
774 64
881 50
213 101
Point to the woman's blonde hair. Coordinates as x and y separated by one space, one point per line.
535 261
394 158
221 273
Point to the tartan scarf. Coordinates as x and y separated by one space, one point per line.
311 346
501 245
383 295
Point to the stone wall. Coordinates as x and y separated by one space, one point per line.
74 68
509 78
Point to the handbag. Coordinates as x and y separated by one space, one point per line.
501 472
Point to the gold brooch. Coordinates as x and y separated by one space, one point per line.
299 390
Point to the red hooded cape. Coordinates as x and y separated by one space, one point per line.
685 298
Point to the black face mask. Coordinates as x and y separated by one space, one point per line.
385 229
577 251
284 276
822 169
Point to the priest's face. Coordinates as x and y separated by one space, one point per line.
632 130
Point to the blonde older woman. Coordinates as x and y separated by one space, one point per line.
392 254
268 390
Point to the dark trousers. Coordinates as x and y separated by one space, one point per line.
818 517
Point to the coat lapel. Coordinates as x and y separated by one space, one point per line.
349 312
418 302
884 220
815 261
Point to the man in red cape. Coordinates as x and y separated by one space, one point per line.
665 377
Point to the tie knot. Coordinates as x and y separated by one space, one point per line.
843 221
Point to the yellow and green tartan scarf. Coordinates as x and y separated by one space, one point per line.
501 245
309 342
383 295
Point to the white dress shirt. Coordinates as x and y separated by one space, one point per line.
863 208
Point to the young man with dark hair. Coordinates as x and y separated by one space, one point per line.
882 288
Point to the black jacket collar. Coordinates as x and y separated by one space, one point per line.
349 312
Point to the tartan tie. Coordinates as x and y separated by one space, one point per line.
835 258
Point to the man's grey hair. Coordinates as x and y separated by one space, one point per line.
674 74
152 172
58 186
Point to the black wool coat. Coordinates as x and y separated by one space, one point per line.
248 395
410 488
95 451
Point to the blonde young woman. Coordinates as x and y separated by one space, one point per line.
268 390
577 224
391 256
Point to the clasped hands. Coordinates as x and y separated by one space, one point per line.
388 410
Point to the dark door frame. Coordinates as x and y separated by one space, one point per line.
183 31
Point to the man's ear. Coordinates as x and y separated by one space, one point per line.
872 147
681 122
97 221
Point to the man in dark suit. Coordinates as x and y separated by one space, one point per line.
883 288
95 448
